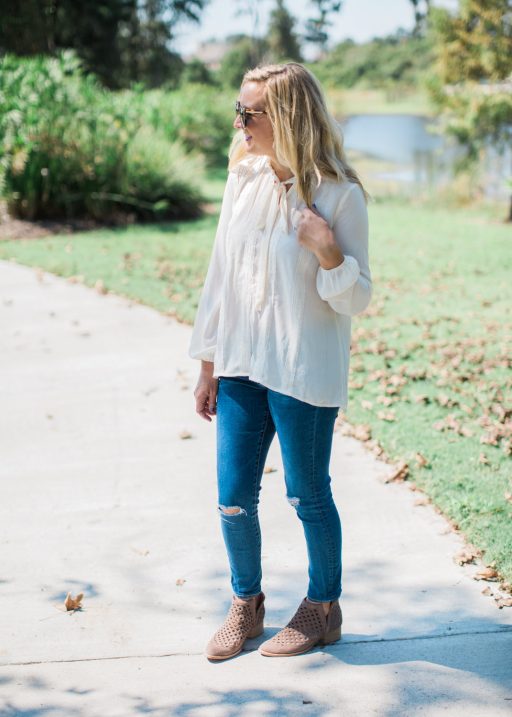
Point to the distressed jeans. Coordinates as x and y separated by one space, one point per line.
248 416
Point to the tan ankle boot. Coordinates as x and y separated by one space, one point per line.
244 620
309 626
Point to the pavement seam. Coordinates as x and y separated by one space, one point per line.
502 631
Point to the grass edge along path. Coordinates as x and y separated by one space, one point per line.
431 356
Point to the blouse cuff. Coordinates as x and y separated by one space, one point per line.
202 355
330 283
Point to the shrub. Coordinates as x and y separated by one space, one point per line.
67 147
199 116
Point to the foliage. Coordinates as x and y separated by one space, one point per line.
396 60
196 72
70 148
121 41
421 14
198 116
471 85
476 44
160 174
316 27
245 53
283 41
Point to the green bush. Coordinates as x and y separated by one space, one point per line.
68 147
157 169
380 63
200 116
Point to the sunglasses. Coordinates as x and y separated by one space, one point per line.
245 114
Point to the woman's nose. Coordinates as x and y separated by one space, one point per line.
237 124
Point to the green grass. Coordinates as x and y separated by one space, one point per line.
353 101
432 352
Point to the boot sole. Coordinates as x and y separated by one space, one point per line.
328 639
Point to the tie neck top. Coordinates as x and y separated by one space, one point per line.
267 309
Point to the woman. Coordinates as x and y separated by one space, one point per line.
288 270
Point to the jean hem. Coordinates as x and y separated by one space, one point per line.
246 597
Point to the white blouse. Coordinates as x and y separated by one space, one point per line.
268 310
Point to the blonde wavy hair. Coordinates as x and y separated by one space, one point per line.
307 139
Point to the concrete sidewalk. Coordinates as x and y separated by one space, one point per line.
101 495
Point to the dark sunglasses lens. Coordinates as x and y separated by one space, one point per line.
241 111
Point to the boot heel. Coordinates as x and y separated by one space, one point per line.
256 631
332 636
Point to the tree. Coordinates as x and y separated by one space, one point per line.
421 11
283 42
245 53
472 84
121 41
316 28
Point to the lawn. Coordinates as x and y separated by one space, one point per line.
430 377
353 101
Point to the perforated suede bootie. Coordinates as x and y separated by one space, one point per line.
309 626
244 620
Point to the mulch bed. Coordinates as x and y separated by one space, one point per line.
23 229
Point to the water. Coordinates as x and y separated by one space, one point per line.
417 156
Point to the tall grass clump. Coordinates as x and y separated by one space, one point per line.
70 148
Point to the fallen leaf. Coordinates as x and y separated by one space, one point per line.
269 469
386 400
362 432
487 591
421 460
467 555
185 434
386 415
141 551
482 458
73 603
503 601
100 287
400 474
181 581
422 501
486 574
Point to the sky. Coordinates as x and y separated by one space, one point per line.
359 19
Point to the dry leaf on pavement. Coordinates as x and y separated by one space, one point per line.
486 574
400 474
503 601
467 555
73 603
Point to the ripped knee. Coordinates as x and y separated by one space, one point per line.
293 501
232 510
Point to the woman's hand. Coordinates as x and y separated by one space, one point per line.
205 392
314 233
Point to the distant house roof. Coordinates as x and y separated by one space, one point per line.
211 53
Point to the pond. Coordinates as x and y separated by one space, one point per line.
409 151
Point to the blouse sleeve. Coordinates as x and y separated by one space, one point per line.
204 333
348 287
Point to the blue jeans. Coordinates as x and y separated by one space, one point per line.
248 416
